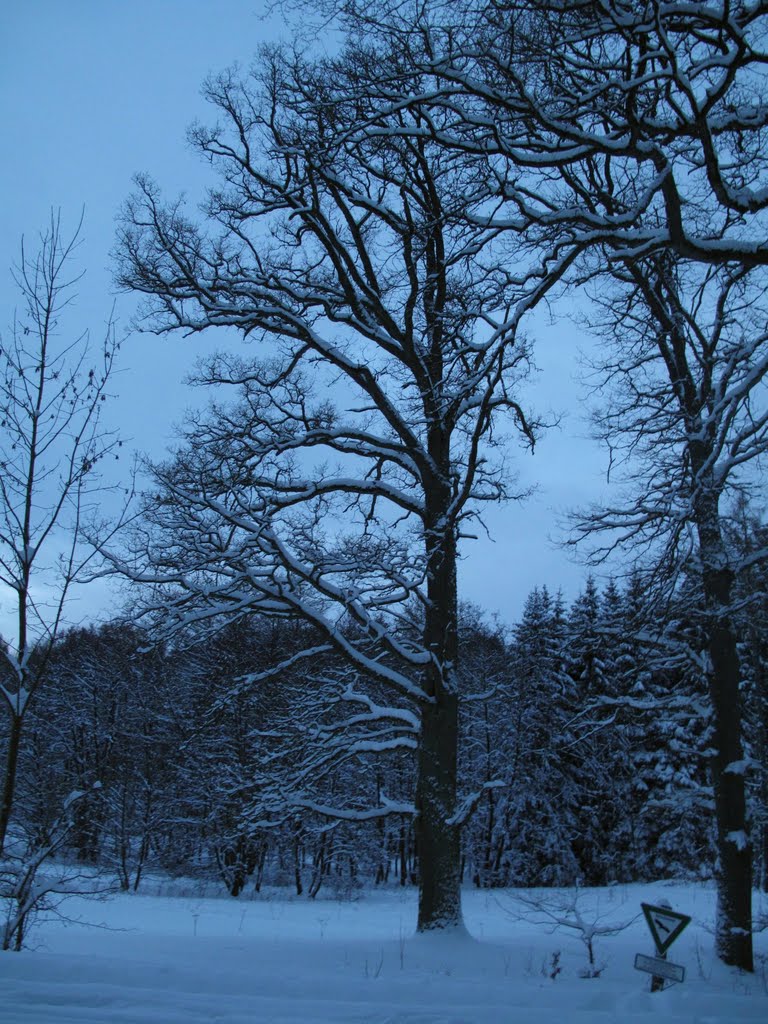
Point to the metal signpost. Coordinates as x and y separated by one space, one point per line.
665 925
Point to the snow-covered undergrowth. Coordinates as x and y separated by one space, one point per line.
189 957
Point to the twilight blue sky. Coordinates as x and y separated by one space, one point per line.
94 91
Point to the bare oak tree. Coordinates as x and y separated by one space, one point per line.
636 125
367 435
628 135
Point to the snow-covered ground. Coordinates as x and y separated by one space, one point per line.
185 958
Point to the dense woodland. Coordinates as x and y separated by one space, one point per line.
302 696
595 722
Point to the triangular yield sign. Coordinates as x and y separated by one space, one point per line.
665 925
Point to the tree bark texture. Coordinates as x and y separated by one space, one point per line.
439 840
734 849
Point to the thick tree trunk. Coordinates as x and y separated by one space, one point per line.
734 849
439 841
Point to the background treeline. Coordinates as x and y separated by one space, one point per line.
584 753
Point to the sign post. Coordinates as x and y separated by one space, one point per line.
665 925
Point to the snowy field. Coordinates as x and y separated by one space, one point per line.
182 957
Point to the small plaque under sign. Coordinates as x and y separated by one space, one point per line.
660 968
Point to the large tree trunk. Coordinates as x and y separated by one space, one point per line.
734 849
439 841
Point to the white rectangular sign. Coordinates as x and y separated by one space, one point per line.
659 968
